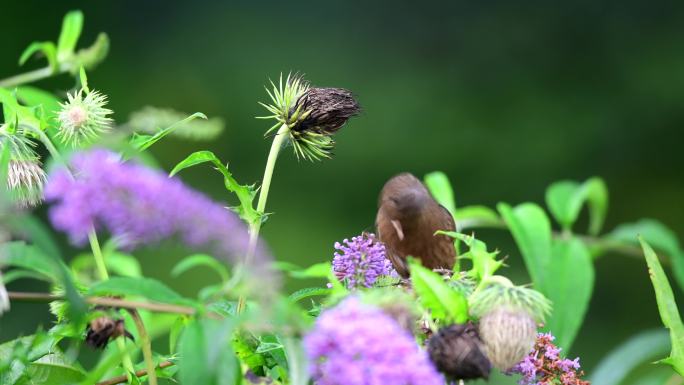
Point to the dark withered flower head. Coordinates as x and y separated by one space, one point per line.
103 329
326 110
458 352
309 115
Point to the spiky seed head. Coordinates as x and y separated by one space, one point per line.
25 181
326 110
312 114
508 336
458 352
83 117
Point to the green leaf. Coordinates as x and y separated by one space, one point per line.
47 48
68 37
149 288
29 257
477 216
309 292
35 97
485 263
15 113
572 271
566 198
657 235
440 188
318 270
207 355
123 264
444 302
667 307
531 230
83 79
621 361
143 142
51 370
195 260
244 193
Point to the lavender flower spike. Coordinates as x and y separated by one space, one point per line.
140 206
357 344
361 261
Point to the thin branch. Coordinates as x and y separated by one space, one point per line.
146 346
105 301
140 373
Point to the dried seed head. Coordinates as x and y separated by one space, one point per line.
458 352
25 181
508 335
102 329
83 118
311 114
325 110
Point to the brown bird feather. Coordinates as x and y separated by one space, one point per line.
408 217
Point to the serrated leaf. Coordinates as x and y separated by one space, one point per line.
149 288
244 193
444 302
143 142
667 307
308 292
440 188
642 348
657 235
196 260
566 198
72 25
485 263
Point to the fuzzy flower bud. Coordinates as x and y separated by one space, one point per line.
25 181
458 352
360 262
508 317
83 118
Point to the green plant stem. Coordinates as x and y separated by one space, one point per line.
146 346
254 228
139 373
104 275
97 255
28 77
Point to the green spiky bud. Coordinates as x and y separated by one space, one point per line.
83 117
508 318
25 175
312 114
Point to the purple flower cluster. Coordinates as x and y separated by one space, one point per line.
356 344
140 206
544 366
361 261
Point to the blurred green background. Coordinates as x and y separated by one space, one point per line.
505 97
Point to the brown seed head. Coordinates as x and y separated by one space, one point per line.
326 110
457 351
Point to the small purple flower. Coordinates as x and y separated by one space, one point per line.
568 365
545 366
361 261
140 206
552 352
356 344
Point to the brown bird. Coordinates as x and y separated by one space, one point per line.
408 217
